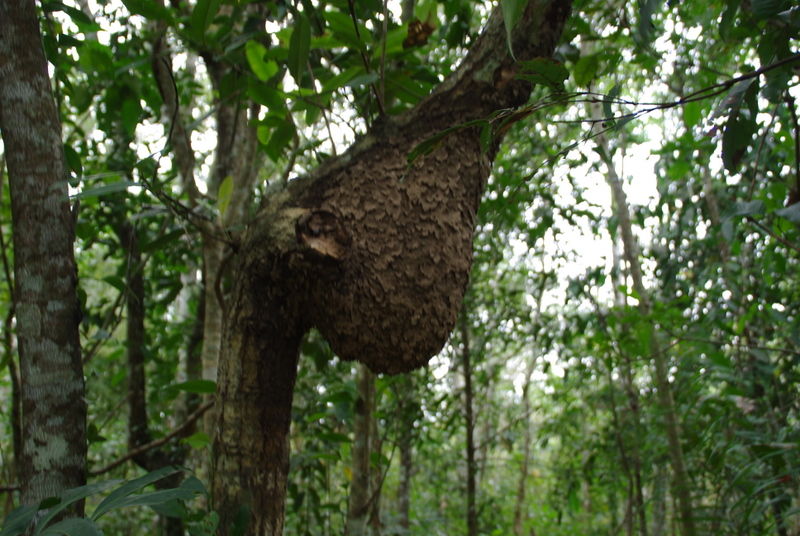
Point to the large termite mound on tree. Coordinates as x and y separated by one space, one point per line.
399 284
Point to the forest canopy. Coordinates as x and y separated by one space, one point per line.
450 267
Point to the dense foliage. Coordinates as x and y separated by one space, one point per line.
549 396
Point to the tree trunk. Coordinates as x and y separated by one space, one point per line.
657 353
519 505
376 469
138 425
53 399
372 251
406 417
360 489
469 426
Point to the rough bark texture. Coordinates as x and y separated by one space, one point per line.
53 403
374 253
405 248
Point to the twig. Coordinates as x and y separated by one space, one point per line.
3 248
772 233
793 113
364 58
181 430
761 144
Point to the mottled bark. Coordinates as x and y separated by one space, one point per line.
359 501
53 403
235 157
373 252
251 448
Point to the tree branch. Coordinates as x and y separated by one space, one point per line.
181 431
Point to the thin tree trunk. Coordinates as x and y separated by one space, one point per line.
660 501
519 505
405 419
635 428
376 469
51 375
469 428
657 353
138 426
360 489
254 397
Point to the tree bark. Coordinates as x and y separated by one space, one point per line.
372 251
53 401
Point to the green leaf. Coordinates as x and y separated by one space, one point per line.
280 139
545 71
129 114
150 9
224 194
200 440
114 187
69 498
748 208
728 18
740 127
333 437
764 9
18 520
586 70
342 78
201 387
161 241
255 52
610 98
116 499
791 213
81 19
271 98
486 137
645 28
341 25
299 45
76 526
153 498
202 16
73 160
692 113
362 80
512 12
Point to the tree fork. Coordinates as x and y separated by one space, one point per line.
373 252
